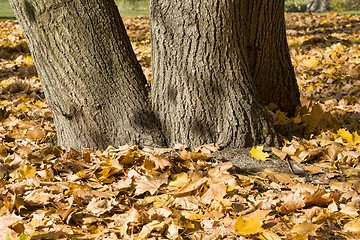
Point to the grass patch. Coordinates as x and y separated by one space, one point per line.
5 10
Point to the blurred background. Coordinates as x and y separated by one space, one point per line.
126 7
141 7
320 6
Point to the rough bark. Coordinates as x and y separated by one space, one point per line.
243 162
201 87
268 54
89 72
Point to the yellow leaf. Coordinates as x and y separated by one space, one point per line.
338 47
353 226
248 227
40 104
180 180
331 70
313 169
305 228
27 171
23 107
345 135
356 138
259 154
29 59
25 99
191 215
310 63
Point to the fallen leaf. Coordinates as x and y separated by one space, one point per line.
188 188
145 184
305 227
248 227
179 180
258 153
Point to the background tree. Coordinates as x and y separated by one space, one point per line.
206 83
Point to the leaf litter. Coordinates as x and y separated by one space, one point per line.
132 193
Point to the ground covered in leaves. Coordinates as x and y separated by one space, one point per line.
131 193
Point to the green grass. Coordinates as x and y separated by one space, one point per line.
5 10
125 10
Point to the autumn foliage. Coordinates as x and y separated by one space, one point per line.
130 193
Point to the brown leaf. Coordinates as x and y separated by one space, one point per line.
293 201
215 192
145 184
160 162
5 222
207 149
99 206
38 197
188 188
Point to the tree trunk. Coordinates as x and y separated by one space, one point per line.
268 54
202 89
90 75
206 83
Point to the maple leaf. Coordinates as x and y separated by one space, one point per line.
207 148
312 62
145 184
160 162
258 153
352 226
248 227
38 197
99 206
305 227
345 135
179 180
293 201
188 188
154 225
191 215
5 222
215 192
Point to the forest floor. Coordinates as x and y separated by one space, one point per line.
131 193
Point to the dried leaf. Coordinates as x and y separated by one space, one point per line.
248 227
179 180
188 188
305 227
145 184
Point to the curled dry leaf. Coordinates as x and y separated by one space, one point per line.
192 186
99 206
293 201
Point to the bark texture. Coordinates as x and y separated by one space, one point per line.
89 72
201 87
268 54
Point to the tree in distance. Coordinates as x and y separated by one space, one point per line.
215 65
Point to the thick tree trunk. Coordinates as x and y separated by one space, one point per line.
268 54
201 86
90 75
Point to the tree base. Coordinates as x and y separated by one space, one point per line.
243 162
